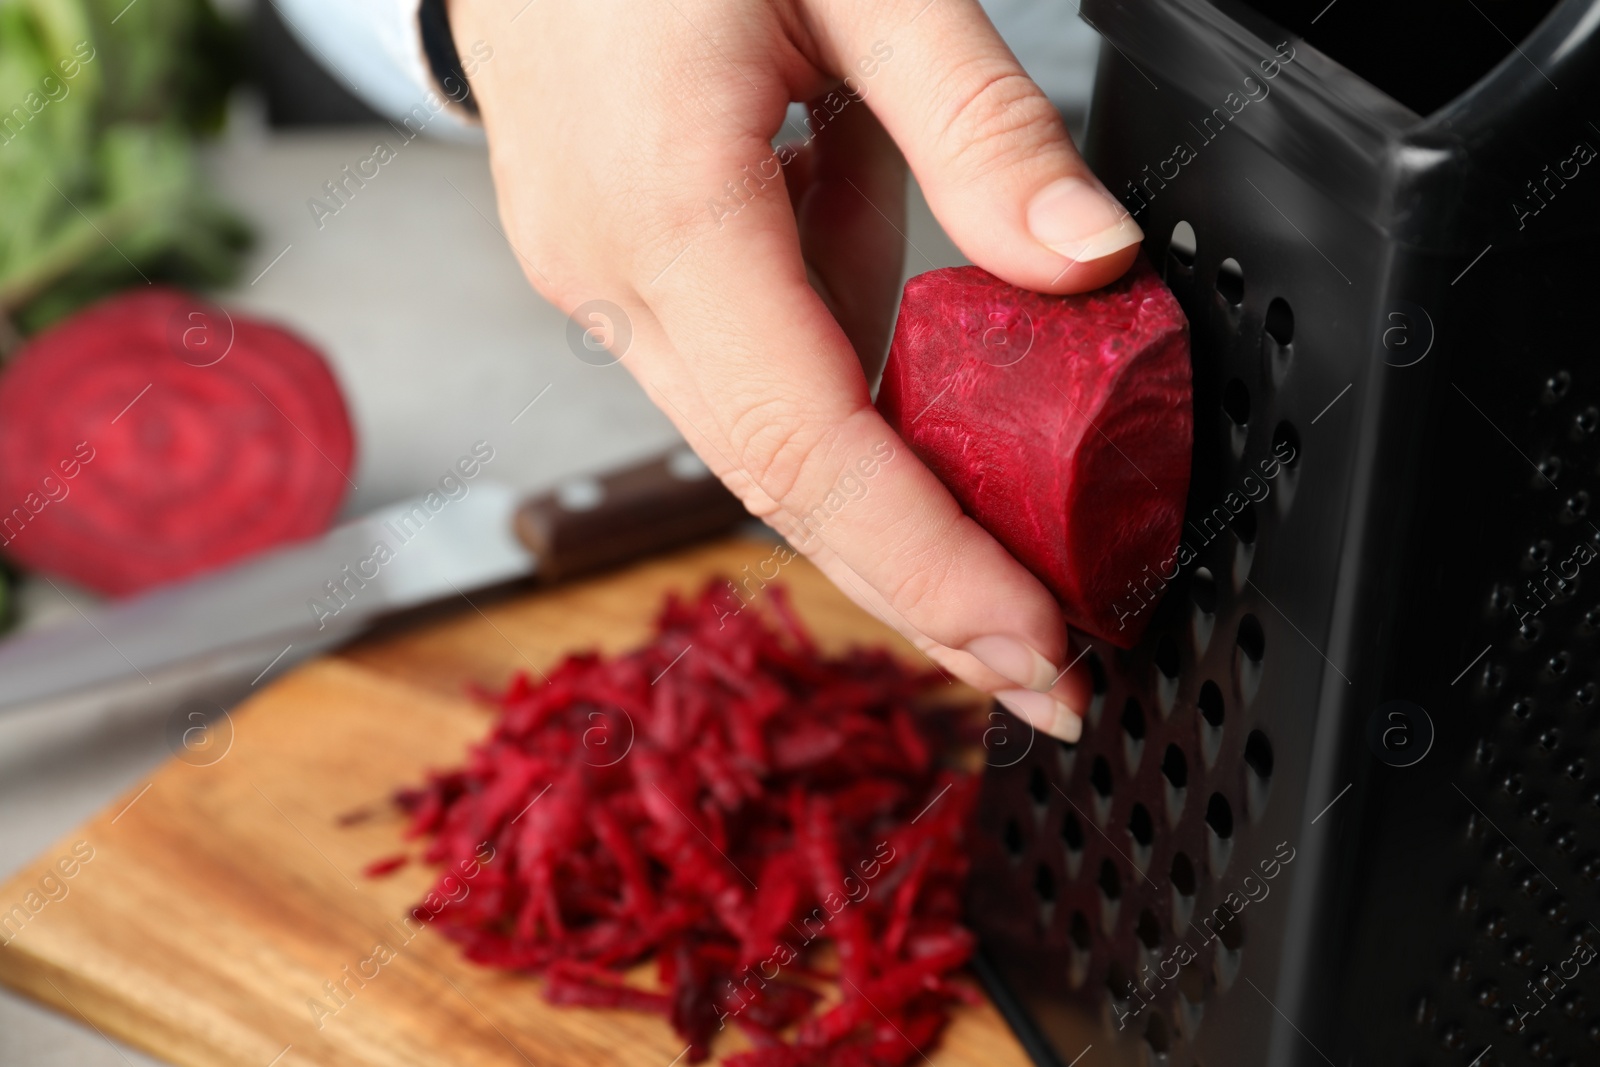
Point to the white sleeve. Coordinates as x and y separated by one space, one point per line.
374 48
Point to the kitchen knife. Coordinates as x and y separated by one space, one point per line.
319 593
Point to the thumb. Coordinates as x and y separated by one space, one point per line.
988 148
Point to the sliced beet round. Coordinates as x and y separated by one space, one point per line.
1062 424
153 436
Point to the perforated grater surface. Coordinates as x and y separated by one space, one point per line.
1342 803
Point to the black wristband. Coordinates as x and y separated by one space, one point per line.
439 46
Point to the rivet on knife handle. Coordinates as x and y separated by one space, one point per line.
588 524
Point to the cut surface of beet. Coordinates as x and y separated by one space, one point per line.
153 436
1062 424
724 800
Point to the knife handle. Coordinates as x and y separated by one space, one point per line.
587 524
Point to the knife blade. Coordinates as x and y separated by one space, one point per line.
322 592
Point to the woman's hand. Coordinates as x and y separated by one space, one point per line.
631 142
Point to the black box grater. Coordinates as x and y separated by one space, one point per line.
1341 805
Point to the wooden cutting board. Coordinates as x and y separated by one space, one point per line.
218 898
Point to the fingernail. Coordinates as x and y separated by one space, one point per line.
1042 712
1080 220
1014 661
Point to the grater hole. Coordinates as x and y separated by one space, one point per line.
1100 777
1110 881
1157 1036
1236 402
1230 282
1182 874
1276 334
1097 672
1118 984
1072 833
1244 524
1258 754
1182 246
1210 704
1203 588
1557 386
1078 930
1038 786
1167 657
1012 835
1493 677
1192 983
1286 439
1175 768
1141 826
1252 642
1231 932
1219 816
1280 321
1044 883
1133 720
1147 930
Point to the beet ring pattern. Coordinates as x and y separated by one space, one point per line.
153 436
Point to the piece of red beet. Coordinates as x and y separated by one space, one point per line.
153 436
1062 424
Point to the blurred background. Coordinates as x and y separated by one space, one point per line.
187 147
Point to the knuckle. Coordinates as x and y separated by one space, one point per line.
758 504
661 238
561 285
559 290
574 254
999 118
918 577
535 244
774 444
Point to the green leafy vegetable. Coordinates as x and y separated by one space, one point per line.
100 103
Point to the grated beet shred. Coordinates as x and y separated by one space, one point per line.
723 801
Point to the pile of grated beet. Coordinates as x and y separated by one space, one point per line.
724 800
